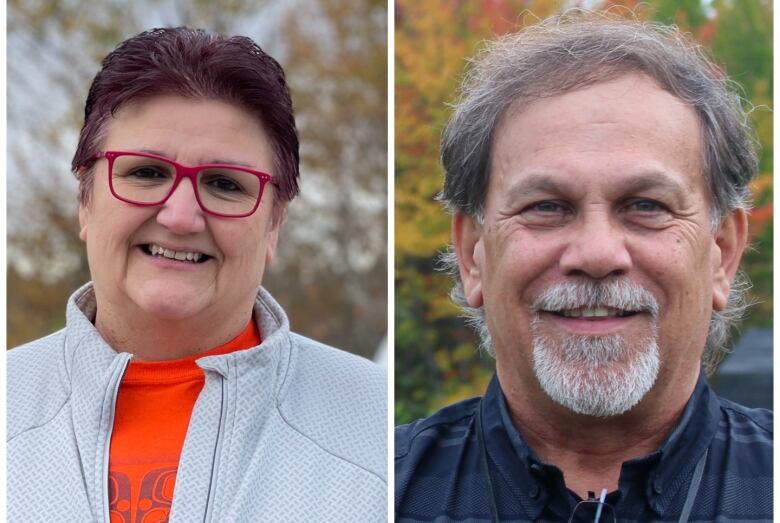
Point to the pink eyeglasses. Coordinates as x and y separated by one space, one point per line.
228 191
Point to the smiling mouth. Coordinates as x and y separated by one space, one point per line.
181 256
594 313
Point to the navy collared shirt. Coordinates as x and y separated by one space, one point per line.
439 467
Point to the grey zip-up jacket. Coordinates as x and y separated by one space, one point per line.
290 430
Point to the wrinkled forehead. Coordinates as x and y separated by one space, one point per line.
624 126
633 100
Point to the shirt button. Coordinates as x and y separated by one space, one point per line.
534 492
657 487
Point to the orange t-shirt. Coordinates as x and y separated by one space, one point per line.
153 409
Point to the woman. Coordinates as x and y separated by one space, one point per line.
176 390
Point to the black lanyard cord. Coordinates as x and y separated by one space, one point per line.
485 467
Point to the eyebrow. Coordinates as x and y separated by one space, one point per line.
544 183
214 161
533 184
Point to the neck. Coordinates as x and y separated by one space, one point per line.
590 451
156 339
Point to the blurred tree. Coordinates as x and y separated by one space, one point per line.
435 360
331 272
335 243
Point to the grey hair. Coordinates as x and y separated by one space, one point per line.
575 50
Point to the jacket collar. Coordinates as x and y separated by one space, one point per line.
93 350
94 371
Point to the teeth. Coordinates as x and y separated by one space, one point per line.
157 250
598 312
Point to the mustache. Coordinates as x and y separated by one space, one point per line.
624 295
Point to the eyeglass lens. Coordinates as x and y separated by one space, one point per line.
591 511
149 181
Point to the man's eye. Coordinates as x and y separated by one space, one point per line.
547 213
547 207
645 206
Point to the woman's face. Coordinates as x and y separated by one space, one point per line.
129 280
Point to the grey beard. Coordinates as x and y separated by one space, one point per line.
598 376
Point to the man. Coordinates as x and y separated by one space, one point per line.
597 171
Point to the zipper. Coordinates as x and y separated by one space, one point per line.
217 450
107 444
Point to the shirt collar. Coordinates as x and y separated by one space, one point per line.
511 458
682 450
659 478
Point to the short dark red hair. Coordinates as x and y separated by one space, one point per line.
192 63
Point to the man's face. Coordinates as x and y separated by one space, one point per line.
600 187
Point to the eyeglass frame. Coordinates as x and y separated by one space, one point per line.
184 171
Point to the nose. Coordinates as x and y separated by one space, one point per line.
181 213
596 249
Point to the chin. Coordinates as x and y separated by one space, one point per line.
170 302
597 376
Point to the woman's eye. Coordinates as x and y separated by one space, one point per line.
224 184
147 173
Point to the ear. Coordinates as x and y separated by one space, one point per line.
271 240
83 221
729 243
467 239
275 221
